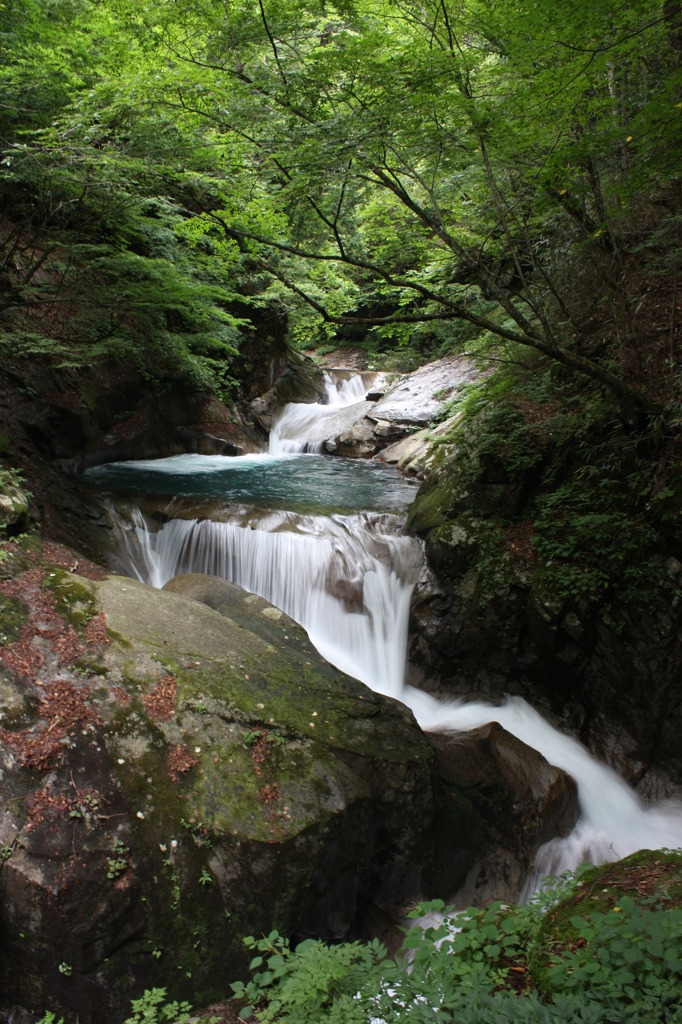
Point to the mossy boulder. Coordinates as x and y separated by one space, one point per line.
13 615
13 508
454 547
621 924
175 777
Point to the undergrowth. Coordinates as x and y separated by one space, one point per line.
150 1008
620 963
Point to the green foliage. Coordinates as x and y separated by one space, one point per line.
100 262
251 736
592 542
313 983
152 1008
119 863
630 950
481 965
11 479
601 502
608 506
415 175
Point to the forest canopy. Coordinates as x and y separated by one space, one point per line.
430 172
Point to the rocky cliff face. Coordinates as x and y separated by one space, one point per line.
511 602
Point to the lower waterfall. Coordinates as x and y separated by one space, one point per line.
613 820
348 580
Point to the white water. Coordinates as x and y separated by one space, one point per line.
613 820
348 580
300 426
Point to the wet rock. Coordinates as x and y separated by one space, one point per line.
417 398
390 412
613 679
194 773
352 357
359 442
327 430
299 380
410 454
522 799
452 547
219 594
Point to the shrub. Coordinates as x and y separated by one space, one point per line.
618 963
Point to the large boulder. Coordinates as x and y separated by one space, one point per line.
174 777
417 398
13 507
521 801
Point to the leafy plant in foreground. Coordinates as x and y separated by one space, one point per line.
497 964
152 1008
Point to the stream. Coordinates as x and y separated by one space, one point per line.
323 539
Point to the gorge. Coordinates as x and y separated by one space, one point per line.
340 509
301 563
323 800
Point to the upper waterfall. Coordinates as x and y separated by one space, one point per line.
303 427
347 580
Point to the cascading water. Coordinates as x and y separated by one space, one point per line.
301 427
613 821
348 579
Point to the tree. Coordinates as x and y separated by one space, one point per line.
97 260
389 163
444 152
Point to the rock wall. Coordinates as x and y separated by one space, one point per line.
487 621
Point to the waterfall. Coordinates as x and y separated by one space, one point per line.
613 820
348 579
300 426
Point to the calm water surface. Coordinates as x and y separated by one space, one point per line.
292 482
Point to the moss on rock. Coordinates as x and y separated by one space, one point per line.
13 615
218 778
75 601
650 880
